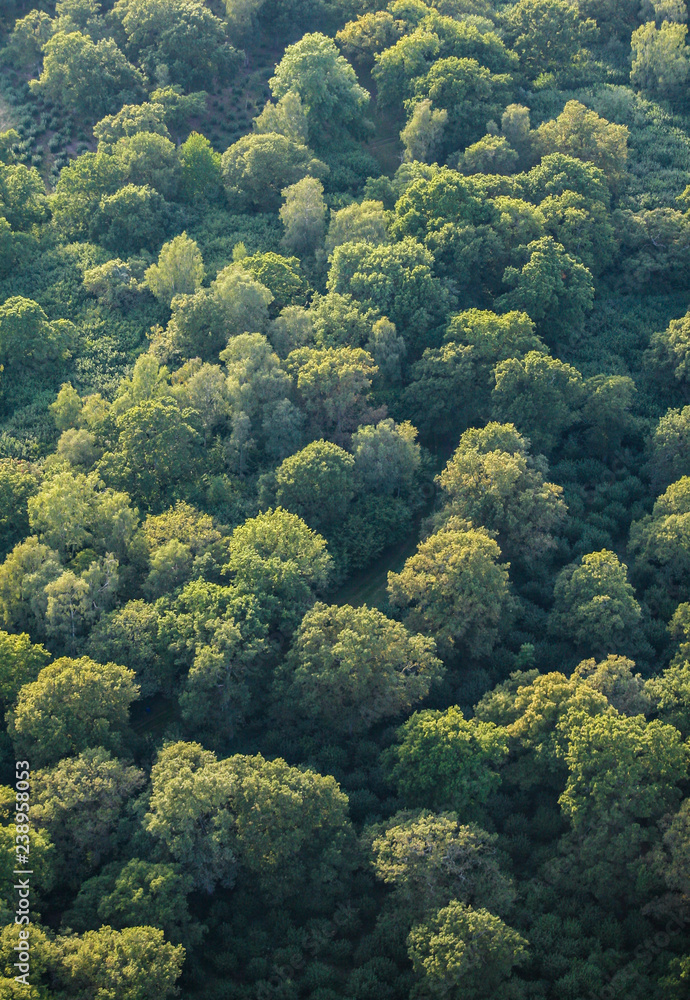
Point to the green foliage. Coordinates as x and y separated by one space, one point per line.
303 215
27 336
181 40
317 483
584 135
278 558
551 286
20 664
134 964
430 859
660 59
179 271
72 705
397 280
201 168
492 481
258 167
138 893
547 35
540 393
445 761
348 668
90 78
325 83
79 802
462 952
594 604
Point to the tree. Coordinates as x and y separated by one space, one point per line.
443 761
336 319
72 511
28 36
18 482
582 227
28 337
455 588
348 668
276 556
131 635
244 300
218 690
94 79
659 547
179 271
492 154
669 692
201 169
138 893
288 117
397 67
72 705
333 386
491 480
470 94
669 447
462 952
281 275
360 222
440 398
179 39
20 664
22 196
129 120
325 82
258 167
395 279
582 134
73 603
538 393
423 135
188 814
23 577
661 63
155 448
206 393
547 35
149 159
388 351
133 964
551 286
517 130
133 218
594 605
370 35
614 678
79 802
430 859
288 828
303 215
387 456
236 303
623 777
293 831
255 378
493 338
671 348
317 483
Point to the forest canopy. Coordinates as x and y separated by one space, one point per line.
345 499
